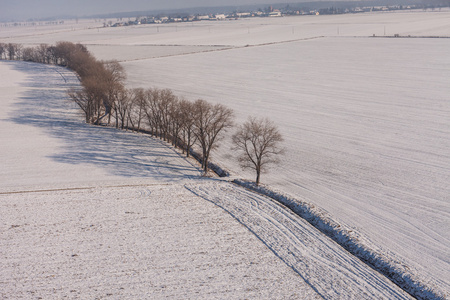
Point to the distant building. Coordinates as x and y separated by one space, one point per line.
220 17
275 14
204 17
244 15
188 19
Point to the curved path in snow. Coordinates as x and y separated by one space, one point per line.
330 270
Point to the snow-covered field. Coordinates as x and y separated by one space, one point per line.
366 125
92 212
366 119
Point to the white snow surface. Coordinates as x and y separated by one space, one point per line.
366 127
36 107
365 119
92 212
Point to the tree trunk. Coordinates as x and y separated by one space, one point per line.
205 164
188 145
139 120
206 159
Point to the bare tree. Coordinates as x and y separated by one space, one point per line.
258 140
123 106
14 51
29 54
2 50
138 102
93 93
76 57
187 128
165 104
176 121
62 53
209 122
42 54
85 100
95 82
114 78
151 110
51 52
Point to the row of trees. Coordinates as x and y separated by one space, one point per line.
105 100
63 53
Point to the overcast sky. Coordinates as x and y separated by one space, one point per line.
26 9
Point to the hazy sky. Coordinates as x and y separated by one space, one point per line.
25 9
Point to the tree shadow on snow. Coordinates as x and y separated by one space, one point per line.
45 104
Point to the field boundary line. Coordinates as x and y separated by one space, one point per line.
83 188
225 48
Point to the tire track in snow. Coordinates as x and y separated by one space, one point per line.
326 267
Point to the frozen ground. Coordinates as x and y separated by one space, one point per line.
366 120
90 212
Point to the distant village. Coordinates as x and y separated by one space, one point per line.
268 12
127 19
